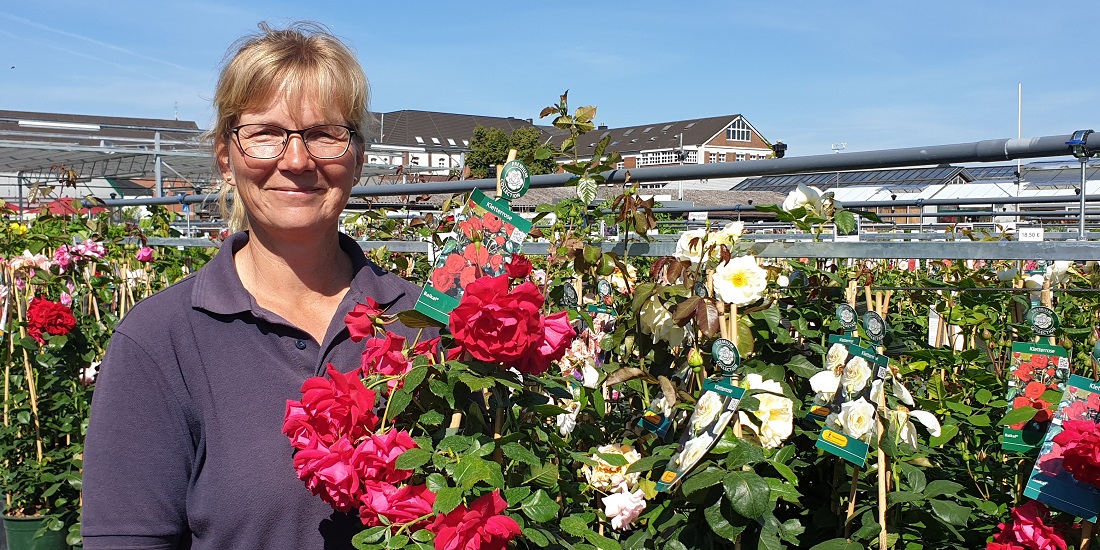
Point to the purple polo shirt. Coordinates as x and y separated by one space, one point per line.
184 447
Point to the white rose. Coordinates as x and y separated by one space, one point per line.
685 250
1059 272
857 418
605 477
740 281
705 411
694 449
856 374
567 421
802 196
657 321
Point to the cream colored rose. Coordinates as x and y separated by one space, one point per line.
803 195
706 410
607 478
694 449
691 244
657 321
857 418
775 413
834 359
730 234
856 374
740 281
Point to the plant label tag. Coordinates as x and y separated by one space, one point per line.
847 432
1030 234
712 414
1050 482
1037 375
515 179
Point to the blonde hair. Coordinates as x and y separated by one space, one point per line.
301 61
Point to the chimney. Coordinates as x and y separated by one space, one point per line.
601 127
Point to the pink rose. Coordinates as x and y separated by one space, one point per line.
1029 530
623 507
62 258
408 504
430 348
479 527
340 406
328 473
145 254
386 356
360 321
557 335
376 456
493 324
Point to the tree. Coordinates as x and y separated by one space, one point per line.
527 140
488 147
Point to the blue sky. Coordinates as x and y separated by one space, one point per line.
875 75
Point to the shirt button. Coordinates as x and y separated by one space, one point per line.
300 344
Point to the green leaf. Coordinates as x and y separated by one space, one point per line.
447 499
896 497
743 454
1015 416
519 453
414 319
536 536
720 524
838 544
702 480
947 433
575 525
801 366
399 400
646 463
413 459
980 420
601 542
983 396
950 512
943 487
436 482
615 460
397 541
845 222
781 489
372 535
748 494
545 475
470 470
540 507
423 535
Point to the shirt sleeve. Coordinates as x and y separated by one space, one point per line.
139 453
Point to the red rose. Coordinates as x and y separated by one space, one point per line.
492 222
1029 528
328 473
1040 360
430 348
1023 371
493 324
470 227
1044 413
1020 402
50 317
399 505
557 335
476 254
1035 390
1080 442
386 356
340 406
468 275
376 456
360 321
443 280
519 267
479 527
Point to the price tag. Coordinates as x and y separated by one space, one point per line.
1030 234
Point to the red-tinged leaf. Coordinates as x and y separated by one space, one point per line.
685 311
707 318
547 111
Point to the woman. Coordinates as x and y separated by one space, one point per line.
184 448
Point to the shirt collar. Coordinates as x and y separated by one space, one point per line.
218 288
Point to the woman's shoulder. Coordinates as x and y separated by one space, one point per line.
160 309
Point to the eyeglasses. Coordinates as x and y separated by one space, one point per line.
267 141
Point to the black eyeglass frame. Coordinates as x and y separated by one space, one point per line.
301 133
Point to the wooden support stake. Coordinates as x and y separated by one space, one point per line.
852 494
500 167
1086 535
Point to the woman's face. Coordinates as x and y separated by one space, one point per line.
293 196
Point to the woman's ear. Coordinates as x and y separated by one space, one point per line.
221 153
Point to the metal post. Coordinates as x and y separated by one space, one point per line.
1081 222
19 188
157 165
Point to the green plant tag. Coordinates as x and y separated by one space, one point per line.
1043 320
846 316
515 179
875 327
712 414
1033 370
